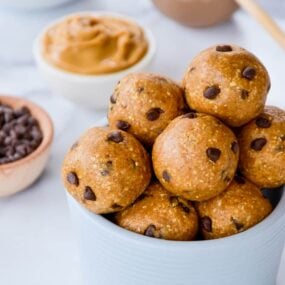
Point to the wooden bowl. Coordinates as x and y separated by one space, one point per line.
17 176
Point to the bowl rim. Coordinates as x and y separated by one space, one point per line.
47 136
101 223
99 77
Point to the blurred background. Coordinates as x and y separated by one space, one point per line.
36 244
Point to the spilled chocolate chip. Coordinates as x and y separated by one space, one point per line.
249 73
263 122
153 114
244 94
237 224
213 153
72 178
113 99
224 48
89 194
211 92
150 231
206 223
115 136
166 176
258 144
191 115
234 147
123 125
239 179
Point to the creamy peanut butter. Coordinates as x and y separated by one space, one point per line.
94 44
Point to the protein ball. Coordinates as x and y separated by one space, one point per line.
157 213
228 82
143 104
237 209
106 170
262 144
195 157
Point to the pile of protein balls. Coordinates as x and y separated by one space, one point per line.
210 156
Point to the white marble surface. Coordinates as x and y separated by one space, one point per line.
36 241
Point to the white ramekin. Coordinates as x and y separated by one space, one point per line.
111 255
91 91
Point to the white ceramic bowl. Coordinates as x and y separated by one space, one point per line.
18 175
91 91
32 4
111 255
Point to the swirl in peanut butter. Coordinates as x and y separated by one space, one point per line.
94 45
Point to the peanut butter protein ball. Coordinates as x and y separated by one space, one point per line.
144 104
195 157
262 143
238 208
106 170
157 213
228 82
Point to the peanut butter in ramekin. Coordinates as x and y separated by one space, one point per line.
87 44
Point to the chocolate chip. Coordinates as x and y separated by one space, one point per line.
237 224
239 179
263 122
213 153
113 99
173 200
89 194
105 172
249 73
153 114
115 136
74 146
224 48
166 176
72 178
116 206
150 231
244 94
140 89
211 92
190 115
258 144
282 137
192 69
234 147
206 223
123 125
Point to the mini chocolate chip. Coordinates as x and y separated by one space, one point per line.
115 136
192 69
239 179
140 89
234 147
263 122
211 92
153 114
206 223
89 194
105 172
116 206
150 231
244 94
282 137
190 115
123 125
224 48
237 224
166 176
113 99
258 144
249 73
72 178
173 200
74 146
213 153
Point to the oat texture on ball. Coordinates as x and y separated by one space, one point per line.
106 170
237 209
195 157
262 143
228 82
160 214
143 104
